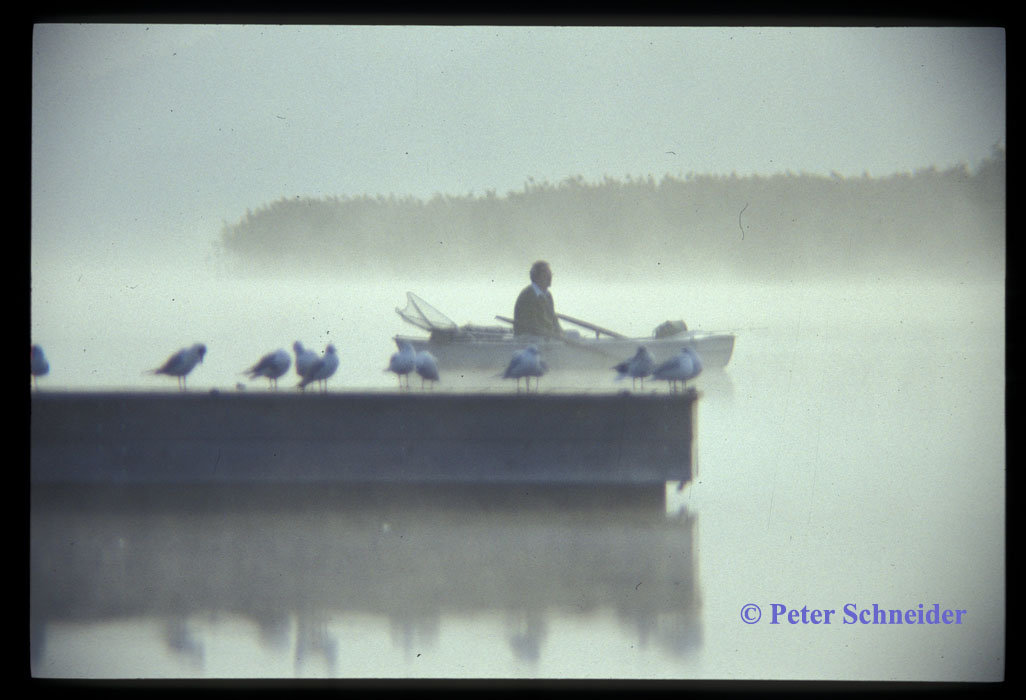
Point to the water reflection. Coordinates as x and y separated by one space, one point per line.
305 568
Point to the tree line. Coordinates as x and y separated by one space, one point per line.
942 222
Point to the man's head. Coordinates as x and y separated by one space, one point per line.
541 274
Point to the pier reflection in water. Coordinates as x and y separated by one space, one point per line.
356 582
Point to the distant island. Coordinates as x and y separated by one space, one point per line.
936 222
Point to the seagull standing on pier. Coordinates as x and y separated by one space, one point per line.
427 367
181 363
403 362
304 358
681 367
272 366
321 368
38 363
638 367
526 363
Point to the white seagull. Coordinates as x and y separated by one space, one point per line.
272 366
427 367
681 367
402 362
181 363
38 362
638 367
304 358
526 363
321 369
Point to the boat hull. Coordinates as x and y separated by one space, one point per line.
579 354
136 438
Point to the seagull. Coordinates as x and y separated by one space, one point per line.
526 363
39 365
403 362
304 358
182 362
681 367
321 368
272 366
638 367
427 367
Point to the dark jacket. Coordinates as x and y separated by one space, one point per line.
535 314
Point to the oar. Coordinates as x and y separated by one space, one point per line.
590 326
579 322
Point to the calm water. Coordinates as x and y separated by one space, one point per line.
853 453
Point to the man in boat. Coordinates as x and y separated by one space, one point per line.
534 312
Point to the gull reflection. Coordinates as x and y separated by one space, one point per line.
313 644
526 633
181 640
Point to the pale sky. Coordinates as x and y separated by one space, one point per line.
141 131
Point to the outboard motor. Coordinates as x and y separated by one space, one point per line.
668 329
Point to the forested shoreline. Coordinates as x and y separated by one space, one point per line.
937 222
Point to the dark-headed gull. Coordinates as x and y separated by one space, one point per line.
427 367
38 363
638 367
402 362
322 368
272 365
681 367
526 363
182 362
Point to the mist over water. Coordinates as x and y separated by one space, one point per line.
851 452
854 454
104 328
